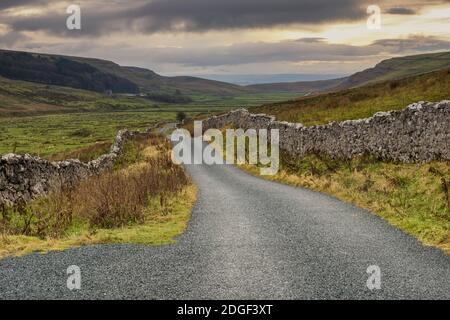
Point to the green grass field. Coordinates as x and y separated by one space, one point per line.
251 99
47 135
20 98
51 120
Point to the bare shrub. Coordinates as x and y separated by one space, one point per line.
120 198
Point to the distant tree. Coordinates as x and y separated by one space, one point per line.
181 116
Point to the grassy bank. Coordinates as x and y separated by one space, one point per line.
146 200
412 197
362 102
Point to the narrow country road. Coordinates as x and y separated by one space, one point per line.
248 239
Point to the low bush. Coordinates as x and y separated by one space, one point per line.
120 198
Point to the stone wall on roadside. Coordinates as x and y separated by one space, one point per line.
419 133
24 177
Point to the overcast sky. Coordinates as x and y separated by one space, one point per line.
201 37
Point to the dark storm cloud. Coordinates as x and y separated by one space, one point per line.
198 15
195 15
401 10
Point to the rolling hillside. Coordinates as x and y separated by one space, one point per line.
150 81
102 75
21 98
391 69
362 101
398 68
57 70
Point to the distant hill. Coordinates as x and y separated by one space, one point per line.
391 69
58 70
102 75
105 76
398 68
150 81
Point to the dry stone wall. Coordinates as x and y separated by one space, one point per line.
24 177
419 133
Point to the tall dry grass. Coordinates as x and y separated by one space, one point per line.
113 199
120 198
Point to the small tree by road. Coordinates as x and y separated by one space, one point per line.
181 117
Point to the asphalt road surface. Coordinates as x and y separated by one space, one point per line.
248 239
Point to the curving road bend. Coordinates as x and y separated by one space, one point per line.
248 239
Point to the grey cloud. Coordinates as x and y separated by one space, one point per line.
93 22
195 15
11 38
401 11
198 15
293 51
311 40
412 44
